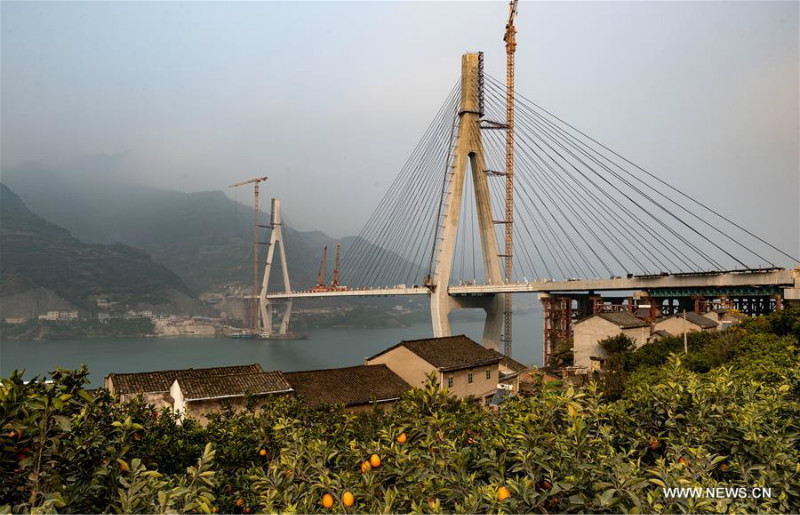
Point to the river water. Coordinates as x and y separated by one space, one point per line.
325 348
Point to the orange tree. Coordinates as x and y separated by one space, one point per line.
560 450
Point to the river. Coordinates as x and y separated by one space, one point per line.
325 348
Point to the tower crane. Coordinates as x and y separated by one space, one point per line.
321 277
511 46
255 182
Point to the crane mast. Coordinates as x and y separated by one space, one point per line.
511 46
335 282
321 276
255 182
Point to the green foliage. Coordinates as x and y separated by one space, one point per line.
59 330
561 450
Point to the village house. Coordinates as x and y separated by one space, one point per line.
589 355
359 388
197 397
511 373
459 364
154 387
724 317
676 324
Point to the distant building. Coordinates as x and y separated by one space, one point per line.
359 388
68 315
15 320
658 335
154 387
104 316
51 315
589 355
694 322
724 318
197 397
459 364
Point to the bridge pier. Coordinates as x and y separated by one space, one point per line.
468 151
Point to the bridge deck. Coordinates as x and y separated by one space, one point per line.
779 278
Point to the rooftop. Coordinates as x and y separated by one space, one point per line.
449 353
232 385
350 386
160 381
623 319
511 363
698 320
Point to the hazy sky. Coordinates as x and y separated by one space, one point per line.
328 99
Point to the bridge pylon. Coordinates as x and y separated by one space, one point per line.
468 150
265 305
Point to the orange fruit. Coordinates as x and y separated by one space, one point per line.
347 499
682 461
12 434
723 467
503 494
402 438
247 509
654 444
375 461
240 502
262 452
470 440
365 467
327 501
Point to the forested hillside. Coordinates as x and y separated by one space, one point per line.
37 254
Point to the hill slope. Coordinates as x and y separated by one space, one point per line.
204 237
37 254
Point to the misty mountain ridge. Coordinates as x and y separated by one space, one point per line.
204 237
43 263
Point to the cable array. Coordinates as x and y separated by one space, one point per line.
581 210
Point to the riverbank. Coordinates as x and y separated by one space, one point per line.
325 348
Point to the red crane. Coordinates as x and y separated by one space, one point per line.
334 286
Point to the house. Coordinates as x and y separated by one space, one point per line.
511 373
197 397
589 355
658 336
15 320
724 317
154 387
358 388
693 322
461 365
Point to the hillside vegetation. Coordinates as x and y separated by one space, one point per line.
38 254
734 424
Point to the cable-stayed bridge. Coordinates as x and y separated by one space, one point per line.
585 220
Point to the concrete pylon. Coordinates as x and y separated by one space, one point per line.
468 150
275 239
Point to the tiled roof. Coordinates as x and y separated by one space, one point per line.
623 319
449 353
161 380
350 386
511 363
698 320
232 385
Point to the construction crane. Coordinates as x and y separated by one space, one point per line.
255 182
335 282
334 286
511 46
321 277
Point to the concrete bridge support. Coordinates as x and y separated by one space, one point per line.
468 151
265 305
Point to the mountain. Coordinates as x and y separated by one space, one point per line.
204 237
45 267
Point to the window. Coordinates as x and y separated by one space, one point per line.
488 373
450 382
469 377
